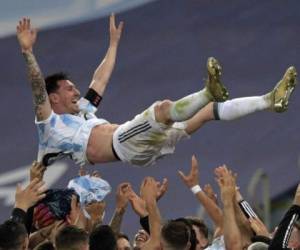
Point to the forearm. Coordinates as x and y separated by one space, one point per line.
116 220
242 222
40 96
154 220
155 226
103 72
232 236
212 209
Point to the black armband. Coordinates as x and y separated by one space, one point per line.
93 97
247 209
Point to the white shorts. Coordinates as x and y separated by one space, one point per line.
142 140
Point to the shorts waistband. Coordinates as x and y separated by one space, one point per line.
114 152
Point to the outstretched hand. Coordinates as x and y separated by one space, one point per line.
192 179
227 183
37 170
115 32
26 34
27 197
149 189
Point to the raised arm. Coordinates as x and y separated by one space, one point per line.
192 182
27 37
103 72
122 199
149 191
232 234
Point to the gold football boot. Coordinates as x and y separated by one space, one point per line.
281 93
213 83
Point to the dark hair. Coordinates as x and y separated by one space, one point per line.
195 221
51 81
178 233
103 238
12 235
70 237
122 235
45 246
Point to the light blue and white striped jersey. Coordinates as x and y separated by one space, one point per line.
66 134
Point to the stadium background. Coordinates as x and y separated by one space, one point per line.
162 54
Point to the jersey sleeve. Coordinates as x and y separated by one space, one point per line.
44 128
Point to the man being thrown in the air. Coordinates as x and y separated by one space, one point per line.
67 125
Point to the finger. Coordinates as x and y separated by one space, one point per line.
41 196
96 174
42 189
112 21
165 182
124 184
194 164
182 176
23 23
120 27
18 188
33 183
81 171
27 24
38 185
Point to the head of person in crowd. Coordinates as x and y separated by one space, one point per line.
103 238
45 246
258 246
13 236
63 94
178 234
72 238
201 232
123 242
57 205
140 239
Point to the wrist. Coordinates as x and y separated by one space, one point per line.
113 44
196 189
24 51
24 207
120 210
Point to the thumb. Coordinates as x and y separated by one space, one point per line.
18 188
181 174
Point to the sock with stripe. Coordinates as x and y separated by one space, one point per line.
239 107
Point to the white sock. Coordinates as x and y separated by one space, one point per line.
240 107
186 107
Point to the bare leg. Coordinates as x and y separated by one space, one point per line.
200 118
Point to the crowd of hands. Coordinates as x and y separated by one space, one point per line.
228 219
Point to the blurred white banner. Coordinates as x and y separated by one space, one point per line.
51 13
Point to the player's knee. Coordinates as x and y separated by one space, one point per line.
162 111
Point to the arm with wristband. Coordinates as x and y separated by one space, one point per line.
192 182
103 72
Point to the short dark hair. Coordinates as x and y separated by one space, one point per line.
51 81
122 235
178 233
70 238
195 221
45 246
103 238
12 235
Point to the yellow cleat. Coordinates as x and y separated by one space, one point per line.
213 82
281 93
